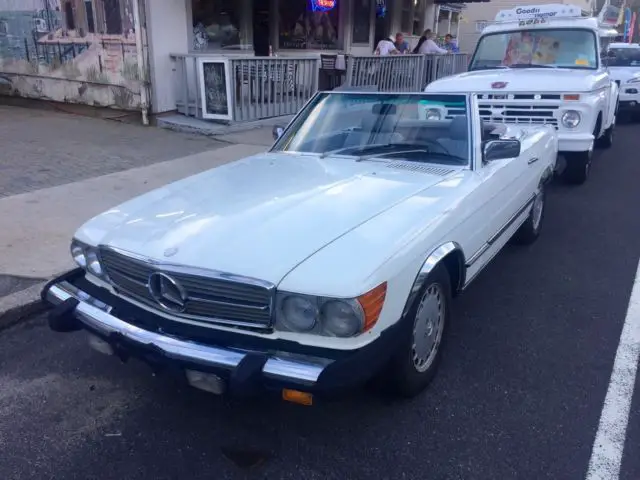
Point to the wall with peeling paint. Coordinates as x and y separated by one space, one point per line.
75 51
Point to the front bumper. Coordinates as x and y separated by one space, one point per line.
575 142
244 364
629 101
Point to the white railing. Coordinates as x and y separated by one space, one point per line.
241 88
403 73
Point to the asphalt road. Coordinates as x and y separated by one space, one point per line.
518 395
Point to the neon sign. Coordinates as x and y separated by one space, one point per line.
323 5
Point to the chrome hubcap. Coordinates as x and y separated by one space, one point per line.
536 211
427 328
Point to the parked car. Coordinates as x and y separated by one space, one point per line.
623 61
540 64
313 267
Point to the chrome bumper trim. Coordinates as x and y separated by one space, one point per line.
96 314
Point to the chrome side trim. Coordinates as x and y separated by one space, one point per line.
496 236
427 267
96 314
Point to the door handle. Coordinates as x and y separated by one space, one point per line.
533 160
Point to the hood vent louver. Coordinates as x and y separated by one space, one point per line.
420 167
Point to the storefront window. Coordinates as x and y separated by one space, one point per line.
217 25
309 24
361 21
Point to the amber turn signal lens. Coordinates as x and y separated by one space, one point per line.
571 96
371 303
296 396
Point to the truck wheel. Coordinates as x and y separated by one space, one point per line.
414 365
606 140
529 231
578 167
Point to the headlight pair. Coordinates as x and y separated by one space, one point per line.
87 257
333 317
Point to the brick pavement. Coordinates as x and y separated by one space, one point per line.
43 148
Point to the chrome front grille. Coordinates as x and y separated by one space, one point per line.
520 108
223 298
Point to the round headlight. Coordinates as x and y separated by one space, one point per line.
433 114
77 253
571 119
93 263
342 319
299 314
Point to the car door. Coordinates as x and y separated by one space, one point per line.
502 194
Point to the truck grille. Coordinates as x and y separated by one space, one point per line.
520 108
207 299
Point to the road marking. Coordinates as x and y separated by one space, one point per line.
606 456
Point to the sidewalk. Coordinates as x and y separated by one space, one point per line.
53 179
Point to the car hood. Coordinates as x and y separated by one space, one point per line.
517 80
259 217
623 73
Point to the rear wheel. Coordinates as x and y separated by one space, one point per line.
415 364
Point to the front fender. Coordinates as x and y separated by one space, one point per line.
433 259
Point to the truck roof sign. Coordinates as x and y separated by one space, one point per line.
549 11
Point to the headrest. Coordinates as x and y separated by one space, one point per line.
459 128
379 124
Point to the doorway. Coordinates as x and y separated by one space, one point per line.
261 34
113 17
68 16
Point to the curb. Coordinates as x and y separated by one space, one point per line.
19 305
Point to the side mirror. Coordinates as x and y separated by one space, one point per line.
500 149
277 132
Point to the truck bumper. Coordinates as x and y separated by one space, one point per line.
580 142
212 360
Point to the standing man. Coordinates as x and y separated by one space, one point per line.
401 44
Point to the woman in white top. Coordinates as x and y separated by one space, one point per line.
426 45
386 46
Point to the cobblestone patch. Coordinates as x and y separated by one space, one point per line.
43 148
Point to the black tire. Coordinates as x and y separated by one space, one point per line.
578 167
406 378
530 230
606 140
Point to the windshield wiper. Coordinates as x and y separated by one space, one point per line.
429 153
488 67
530 65
358 149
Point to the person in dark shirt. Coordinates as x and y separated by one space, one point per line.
401 44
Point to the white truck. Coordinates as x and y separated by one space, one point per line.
540 64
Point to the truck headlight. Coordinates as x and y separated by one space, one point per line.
332 317
571 119
433 114
87 257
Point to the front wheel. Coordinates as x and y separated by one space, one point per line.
578 167
606 140
529 231
414 366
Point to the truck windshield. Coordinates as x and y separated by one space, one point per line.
561 48
624 57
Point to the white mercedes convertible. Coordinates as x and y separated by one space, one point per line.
328 260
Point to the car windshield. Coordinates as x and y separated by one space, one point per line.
561 48
393 126
624 57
